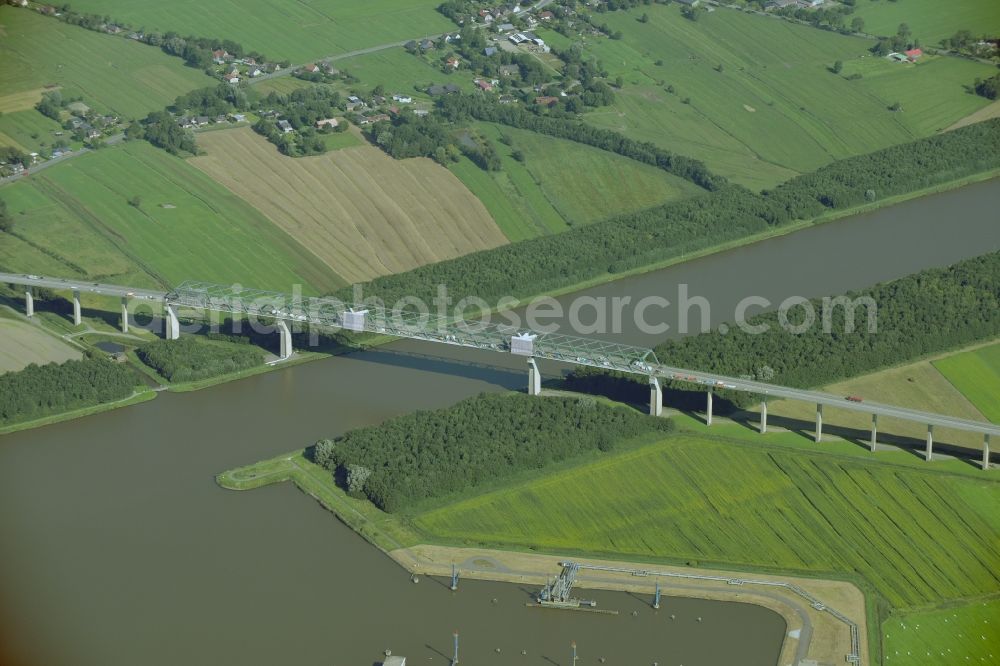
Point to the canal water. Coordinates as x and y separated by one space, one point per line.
117 547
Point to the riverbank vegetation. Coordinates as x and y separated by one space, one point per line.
42 390
189 359
732 213
435 453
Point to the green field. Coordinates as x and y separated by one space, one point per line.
908 532
398 71
299 31
29 131
930 20
774 110
977 375
112 74
24 344
964 634
76 215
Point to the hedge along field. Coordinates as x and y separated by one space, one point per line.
977 375
774 108
185 227
112 73
284 29
930 20
908 532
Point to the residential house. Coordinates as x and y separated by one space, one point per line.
692 3
285 126
254 72
913 54
220 56
249 61
238 117
311 68
402 99
490 51
484 84
453 62
426 45
201 121
546 16
546 100
232 77
505 27
327 122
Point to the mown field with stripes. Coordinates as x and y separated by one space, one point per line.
918 537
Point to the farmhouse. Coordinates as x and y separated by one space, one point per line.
232 77
453 62
201 121
221 56
311 68
285 126
913 54
426 45
484 84
327 122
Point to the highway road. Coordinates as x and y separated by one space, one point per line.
557 347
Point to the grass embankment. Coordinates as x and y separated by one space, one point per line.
977 375
754 99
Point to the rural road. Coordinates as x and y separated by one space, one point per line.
110 141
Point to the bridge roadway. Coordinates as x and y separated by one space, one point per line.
286 308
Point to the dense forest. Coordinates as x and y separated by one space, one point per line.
39 391
645 237
188 359
434 453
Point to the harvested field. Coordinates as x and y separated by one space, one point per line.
22 343
358 210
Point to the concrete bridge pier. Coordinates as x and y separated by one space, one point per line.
77 319
286 338
928 454
874 431
819 422
29 302
172 327
708 407
986 452
534 378
655 397
124 314
763 416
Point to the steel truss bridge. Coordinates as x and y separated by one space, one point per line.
292 309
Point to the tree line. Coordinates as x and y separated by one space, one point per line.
565 126
434 453
638 239
187 359
927 312
41 390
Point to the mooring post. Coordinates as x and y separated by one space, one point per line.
77 319
656 596
573 644
929 452
534 378
819 421
708 407
655 397
454 577
454 658
763 416
986 451
29 302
